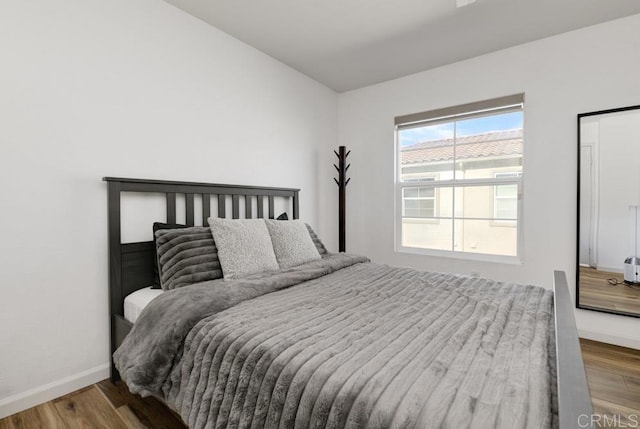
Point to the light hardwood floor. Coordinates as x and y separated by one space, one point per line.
614 380
596 292
613 373
101 406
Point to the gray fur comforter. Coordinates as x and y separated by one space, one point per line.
340 343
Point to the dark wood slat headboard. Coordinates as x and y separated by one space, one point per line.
131 264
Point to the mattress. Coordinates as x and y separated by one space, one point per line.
136 302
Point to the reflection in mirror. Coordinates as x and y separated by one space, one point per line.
608 211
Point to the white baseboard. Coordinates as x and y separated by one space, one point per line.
39 395
617 269
609 339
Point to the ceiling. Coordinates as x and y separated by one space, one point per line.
348 44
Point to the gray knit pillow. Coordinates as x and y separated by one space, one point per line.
292 242
316 240
244 246
318 243
186 256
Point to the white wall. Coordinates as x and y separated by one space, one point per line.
585 70
131 88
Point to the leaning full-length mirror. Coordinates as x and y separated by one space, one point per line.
608 274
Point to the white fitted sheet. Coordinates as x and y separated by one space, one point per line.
136 302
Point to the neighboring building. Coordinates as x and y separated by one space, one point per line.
427 210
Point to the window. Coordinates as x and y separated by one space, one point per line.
459 180
505 199
419 202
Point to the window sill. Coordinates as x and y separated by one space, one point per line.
421 220
482 257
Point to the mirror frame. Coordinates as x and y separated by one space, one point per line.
579 117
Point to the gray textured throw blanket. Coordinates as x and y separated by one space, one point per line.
341 343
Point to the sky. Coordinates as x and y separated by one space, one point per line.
469 127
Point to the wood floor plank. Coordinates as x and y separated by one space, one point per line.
613 374
628 416
43 416
611 387
621 360
602 383
116 393
596 292
129 418
612 407
88 408
149 411
632 384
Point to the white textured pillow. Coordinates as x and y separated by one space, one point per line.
244 246
292 243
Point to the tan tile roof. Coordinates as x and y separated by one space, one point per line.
498 143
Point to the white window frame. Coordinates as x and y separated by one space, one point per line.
425 180
489 107
497 221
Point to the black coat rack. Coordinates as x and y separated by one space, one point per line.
342 182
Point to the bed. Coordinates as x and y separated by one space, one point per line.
339 341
